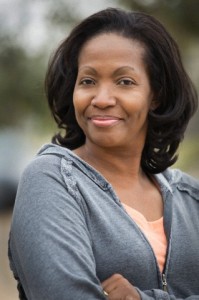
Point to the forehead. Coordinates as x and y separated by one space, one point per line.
109 45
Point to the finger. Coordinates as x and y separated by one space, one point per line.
118 294
112 283
112 279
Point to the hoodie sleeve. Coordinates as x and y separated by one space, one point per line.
50 245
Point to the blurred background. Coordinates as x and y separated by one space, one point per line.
29 32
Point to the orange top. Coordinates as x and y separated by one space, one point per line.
154 232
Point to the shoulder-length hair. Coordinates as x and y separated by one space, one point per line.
175 94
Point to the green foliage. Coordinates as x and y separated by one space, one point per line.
189 156
21 85
62 14
179 16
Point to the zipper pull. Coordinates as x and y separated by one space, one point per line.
164 283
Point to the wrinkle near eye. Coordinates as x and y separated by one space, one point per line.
125 82
87 81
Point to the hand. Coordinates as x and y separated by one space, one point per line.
118 288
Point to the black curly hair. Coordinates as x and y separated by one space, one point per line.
175 93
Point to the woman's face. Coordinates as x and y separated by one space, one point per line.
112 94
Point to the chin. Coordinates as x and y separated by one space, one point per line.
106 142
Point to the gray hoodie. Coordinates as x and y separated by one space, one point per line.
70 232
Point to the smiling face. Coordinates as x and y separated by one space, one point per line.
112 94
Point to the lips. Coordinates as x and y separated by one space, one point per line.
104 121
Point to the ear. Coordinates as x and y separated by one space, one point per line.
154 104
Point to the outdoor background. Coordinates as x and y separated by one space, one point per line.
29 32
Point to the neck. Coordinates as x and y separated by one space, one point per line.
125 162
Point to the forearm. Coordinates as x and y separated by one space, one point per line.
117 287
161 295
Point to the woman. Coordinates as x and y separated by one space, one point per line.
98 214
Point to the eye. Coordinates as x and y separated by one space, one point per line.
126 81
87 81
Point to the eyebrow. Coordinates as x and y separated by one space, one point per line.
122 69
88 68
116 72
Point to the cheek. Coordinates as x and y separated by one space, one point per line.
139 104
77 101
80 105
81 102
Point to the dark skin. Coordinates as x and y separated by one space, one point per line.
118 288
136 189
141 193
112 98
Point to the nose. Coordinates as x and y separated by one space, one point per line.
103 98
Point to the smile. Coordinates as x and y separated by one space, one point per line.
104 121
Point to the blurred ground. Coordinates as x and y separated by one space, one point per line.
8 289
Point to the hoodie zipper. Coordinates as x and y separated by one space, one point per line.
162 275
164 283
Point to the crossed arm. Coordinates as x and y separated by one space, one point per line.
117 287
